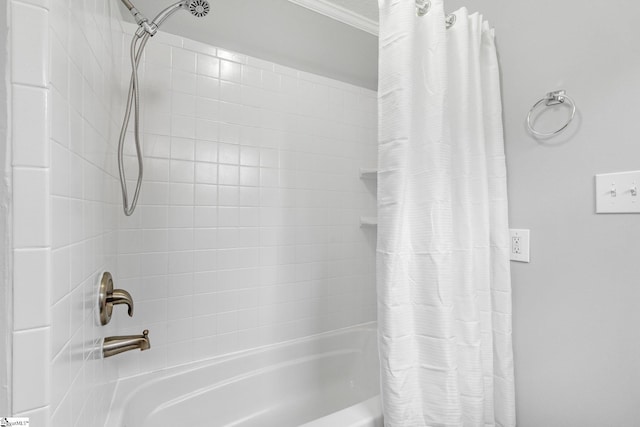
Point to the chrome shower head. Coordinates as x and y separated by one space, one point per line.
198 8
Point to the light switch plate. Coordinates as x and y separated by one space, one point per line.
618 192
519 245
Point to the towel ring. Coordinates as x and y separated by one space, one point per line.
552 98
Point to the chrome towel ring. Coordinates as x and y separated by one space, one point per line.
552 98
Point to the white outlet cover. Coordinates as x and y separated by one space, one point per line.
519 245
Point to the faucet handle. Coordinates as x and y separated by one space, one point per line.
108 297
120 296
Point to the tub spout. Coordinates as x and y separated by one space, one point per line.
116 345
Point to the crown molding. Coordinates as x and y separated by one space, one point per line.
341 14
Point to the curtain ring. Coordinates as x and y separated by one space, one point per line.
422 7
450 20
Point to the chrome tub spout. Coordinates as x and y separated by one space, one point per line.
116 345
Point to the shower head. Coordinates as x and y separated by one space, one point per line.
198 8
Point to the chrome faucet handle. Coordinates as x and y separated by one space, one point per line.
108 297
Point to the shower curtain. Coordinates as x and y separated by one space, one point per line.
444 291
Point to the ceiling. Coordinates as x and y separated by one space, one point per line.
362 14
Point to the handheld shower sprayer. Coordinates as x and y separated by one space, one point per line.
146 29
198 8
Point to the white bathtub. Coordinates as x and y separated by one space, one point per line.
329 380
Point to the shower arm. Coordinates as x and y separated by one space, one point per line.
143 22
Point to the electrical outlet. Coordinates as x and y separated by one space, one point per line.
519 250
515 245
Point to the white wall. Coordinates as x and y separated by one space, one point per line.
576 319
247 232
282 32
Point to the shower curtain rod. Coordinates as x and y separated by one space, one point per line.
423 7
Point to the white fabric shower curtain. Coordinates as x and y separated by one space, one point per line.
444 290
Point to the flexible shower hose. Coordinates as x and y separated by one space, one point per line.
133 100
146 29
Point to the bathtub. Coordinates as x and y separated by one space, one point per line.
328 380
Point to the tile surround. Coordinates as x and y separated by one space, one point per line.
31 220
63 204
247 229
29 369
30 126
32 270
30 49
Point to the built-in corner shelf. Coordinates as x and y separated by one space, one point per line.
366 173
368 221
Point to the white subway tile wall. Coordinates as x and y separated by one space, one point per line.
65 75
247 228
247 232
85 107
31 243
